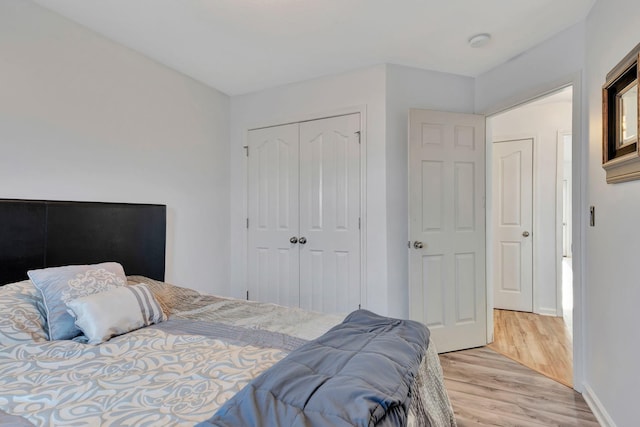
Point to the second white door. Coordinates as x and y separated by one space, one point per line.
304 214
512 224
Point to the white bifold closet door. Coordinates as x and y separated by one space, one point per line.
304 214
273 264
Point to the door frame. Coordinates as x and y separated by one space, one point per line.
579 179
559 216
306 117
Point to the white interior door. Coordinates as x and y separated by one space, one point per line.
447 289
512 224
330 214
273 261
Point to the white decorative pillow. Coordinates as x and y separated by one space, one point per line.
21 318
115 312
59 285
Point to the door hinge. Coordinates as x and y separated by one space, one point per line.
359 223
246 150
359 136
359 306
247 223
247 295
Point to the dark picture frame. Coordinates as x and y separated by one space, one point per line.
620 119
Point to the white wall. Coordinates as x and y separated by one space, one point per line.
542 122
526 76
408 88
82 118
360 89
613 245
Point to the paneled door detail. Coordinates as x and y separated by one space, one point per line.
304 214
447 287
272 205
330 214
512 223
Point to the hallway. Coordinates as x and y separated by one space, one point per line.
542 343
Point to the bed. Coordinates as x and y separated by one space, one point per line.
195 359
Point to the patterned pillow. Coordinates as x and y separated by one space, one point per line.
21 318
60 285
118 311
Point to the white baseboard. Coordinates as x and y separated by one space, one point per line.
597 408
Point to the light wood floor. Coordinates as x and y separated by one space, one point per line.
487 388
542 343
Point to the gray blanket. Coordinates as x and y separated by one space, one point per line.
360 373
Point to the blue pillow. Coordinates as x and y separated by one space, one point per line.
59 285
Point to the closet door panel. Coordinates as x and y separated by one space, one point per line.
330 214
273 261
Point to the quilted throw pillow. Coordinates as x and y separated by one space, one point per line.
118 311
60 285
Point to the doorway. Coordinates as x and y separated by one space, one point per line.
546 123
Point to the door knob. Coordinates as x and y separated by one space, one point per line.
525 233
417 245
302 240
294 240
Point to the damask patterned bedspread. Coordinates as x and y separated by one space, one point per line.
147 377
172 375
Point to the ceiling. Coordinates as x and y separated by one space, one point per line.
240 46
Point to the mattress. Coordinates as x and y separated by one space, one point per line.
176 373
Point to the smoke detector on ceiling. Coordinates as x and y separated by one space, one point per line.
479 40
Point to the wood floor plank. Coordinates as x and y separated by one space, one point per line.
557 407
542 343
487 388
517 375
516 414
496 374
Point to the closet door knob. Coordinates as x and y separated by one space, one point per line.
294 240
525 233
418 245
302 240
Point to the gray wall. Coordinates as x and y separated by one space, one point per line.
612 280
83 118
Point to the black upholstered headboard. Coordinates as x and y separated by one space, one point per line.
39 233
